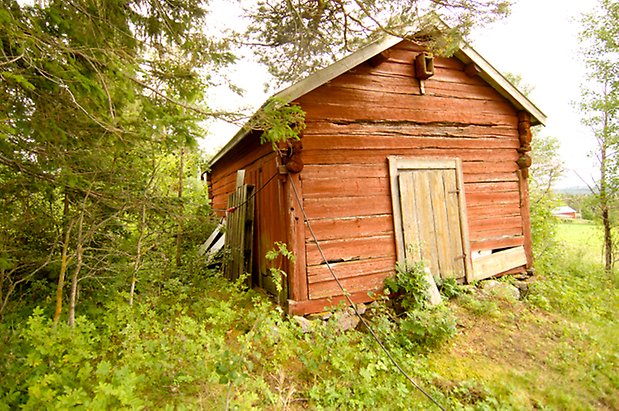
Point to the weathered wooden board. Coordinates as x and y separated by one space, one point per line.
351 227
411 111
496 222
350 284
499 262
357 268
495 243
335 94
320 171
361 156
239 232
342 142
480 211
351 249
327 303
408 128
339 207
345 187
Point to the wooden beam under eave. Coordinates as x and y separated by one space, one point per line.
379 58
472 70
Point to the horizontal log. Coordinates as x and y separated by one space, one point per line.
319 171
345 187
320 273
405 70
496 243
402 141
490 176
440 85
351 227
479 166
492 187
377 112
407 56
317 208
478 211
438 88
479 234
377 82
351 249
355 98
491 199
409 128
361 156
325 304
496 223
350 285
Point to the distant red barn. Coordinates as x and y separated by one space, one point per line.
405 155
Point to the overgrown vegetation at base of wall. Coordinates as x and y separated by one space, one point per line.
197 341
203 342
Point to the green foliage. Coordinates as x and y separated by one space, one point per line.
427 329
480 306
450 288
409 284
276 258
99 99
280 122
296 38
545 170
599 106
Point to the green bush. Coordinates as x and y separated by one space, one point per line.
409 285
425 330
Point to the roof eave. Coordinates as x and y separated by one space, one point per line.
314 81
492 76
465 53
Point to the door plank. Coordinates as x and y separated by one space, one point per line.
455 229
441 229
410 220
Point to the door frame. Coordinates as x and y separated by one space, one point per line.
397 164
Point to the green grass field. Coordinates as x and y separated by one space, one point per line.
584 238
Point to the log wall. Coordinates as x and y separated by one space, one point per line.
260 163
358 119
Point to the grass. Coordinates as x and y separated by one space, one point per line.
583 238
200 343
556 349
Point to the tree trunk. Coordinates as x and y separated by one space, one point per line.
605 197
608 241
179 232
64 260
79 254
138 254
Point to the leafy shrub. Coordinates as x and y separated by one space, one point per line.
450 288
425 330
409 284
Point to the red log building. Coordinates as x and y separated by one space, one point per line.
405 155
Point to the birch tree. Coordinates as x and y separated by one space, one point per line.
600 109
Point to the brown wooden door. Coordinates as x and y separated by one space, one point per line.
430 215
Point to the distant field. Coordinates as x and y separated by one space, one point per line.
583 237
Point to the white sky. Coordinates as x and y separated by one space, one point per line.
537 41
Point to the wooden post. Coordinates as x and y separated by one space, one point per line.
524 135
297 271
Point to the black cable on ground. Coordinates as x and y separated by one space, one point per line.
354 306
